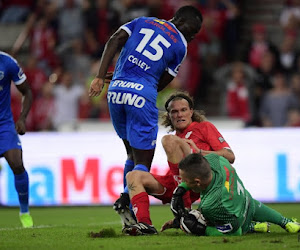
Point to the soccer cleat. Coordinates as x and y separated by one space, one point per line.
26 220
122 203
262 227
121 206
126 217
140 228
292 226
259 227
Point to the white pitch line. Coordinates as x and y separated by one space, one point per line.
62 225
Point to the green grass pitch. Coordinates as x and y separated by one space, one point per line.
70 227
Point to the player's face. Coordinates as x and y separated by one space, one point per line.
190 30
193 184
180 114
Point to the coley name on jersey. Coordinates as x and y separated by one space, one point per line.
138 62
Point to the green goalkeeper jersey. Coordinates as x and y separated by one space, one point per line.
225 203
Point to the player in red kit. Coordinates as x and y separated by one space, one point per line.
193 134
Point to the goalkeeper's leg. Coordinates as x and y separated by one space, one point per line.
265 213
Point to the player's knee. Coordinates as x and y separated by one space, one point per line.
169 142
131 176
136 176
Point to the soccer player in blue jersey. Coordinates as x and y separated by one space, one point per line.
152 51
10 145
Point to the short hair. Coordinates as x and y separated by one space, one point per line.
188 13
195 166
198 115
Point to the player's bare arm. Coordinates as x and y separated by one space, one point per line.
114 44
26 104
225 152
164 80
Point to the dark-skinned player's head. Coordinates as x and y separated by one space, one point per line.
188 21
195 171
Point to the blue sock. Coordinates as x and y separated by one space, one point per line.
21 185
129 165
141 167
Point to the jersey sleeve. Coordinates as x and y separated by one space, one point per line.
175 64
128 27
16 72
214 137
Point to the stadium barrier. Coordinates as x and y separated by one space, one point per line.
86 168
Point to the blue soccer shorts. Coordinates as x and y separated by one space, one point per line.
134 118
9 139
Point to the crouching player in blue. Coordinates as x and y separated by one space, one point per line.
152 51
226 207
10 145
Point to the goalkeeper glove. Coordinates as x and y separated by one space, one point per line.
193 223
177 204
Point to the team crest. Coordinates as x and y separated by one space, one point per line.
221 139
1 75
188 134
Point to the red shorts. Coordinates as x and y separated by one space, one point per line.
169 183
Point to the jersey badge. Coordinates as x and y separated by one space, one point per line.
226 228
1 75
221 139
188 134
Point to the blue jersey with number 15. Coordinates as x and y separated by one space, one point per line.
153 46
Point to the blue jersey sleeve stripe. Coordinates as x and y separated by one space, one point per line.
171 72
21 80
182 38
126 29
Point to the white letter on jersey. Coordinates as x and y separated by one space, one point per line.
239 188
126 98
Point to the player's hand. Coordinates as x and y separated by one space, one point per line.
192 144
96 87
20 126
174 223
177 204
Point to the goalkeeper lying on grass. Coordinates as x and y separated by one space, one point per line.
226 207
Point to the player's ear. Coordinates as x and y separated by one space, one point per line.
192 111
197 181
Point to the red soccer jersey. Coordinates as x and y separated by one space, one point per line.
205 135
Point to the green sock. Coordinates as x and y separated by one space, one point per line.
264 213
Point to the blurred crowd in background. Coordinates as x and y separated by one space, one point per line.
257 81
